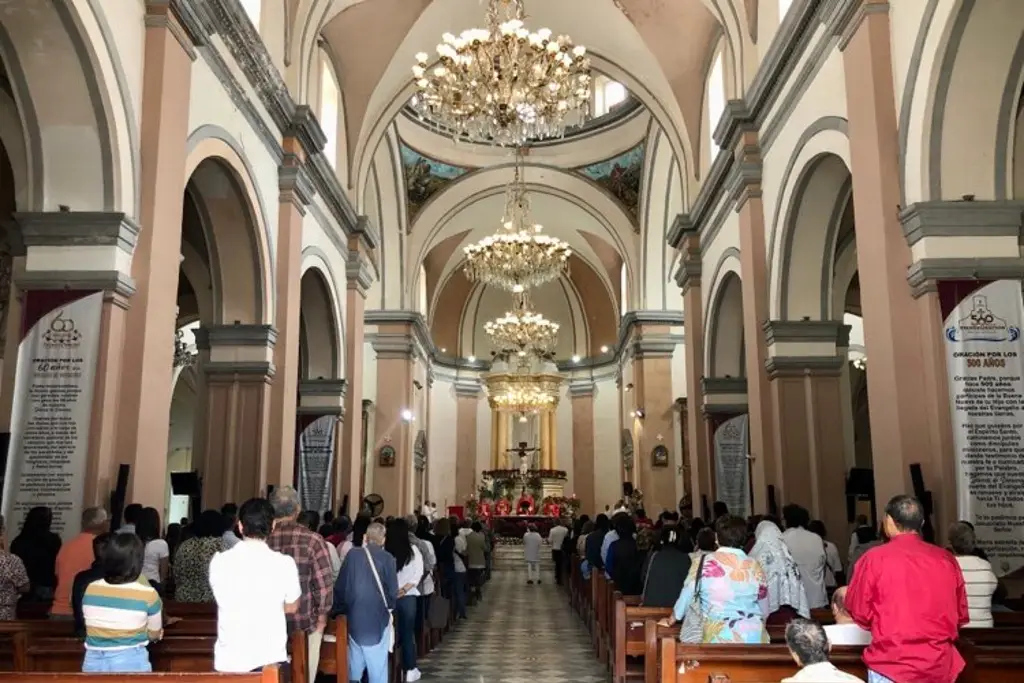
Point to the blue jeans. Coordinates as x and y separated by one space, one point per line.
133 660
405 622
371 658
877 678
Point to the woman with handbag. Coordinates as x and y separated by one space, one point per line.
725 596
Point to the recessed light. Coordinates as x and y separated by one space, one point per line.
472 359
444 350
604 349
407 415
575 359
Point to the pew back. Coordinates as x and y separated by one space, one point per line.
743 663
268 675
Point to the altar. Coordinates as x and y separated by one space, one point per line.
514 526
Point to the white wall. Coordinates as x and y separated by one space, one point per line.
370 394
607 455
442 444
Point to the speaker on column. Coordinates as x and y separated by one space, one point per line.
118 495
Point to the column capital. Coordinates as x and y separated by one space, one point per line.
960 218
365 232
804 366
806 332
322 396
844 17
77 229
723 395
581 389
358 271
923 276
295 186
467 388
393 345
305 128
182 19
237 350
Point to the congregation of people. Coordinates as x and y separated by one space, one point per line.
269 567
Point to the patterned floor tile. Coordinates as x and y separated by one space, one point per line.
519 634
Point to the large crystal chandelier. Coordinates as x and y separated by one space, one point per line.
523 399
522 331
504 84
520 255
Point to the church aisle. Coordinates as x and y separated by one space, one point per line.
520 634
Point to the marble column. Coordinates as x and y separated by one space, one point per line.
688 277
395 348
898 329
295 193
804 370
237 364
583 466
143 424
99 240
350 471
652 347
753 262
467 410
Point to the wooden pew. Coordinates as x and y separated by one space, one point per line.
268 675
743 663
629 624
64 654
987 664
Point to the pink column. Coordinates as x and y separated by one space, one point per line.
467 411
394 348
349 471
652 380
584 485
145 396
899 372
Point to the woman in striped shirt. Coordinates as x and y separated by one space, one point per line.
979 579
122 613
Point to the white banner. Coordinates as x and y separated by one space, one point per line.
986 389
316 456
51 415
732 471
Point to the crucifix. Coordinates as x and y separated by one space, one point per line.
524 457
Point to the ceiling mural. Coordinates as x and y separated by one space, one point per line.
621 177
425 177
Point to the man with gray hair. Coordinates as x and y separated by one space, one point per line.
313 559
76 556
809 647
366 593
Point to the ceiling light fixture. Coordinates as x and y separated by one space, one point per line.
604 349
576 359
519 256
522 331
505 84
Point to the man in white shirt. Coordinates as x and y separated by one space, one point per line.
808 551
254 587
556 537
531 550
845 631
809 648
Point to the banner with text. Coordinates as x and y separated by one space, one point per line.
51 415
316 456
732 472
986 389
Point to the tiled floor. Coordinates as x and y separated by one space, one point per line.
519 634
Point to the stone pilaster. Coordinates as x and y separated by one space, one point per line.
581 394
805 364
394 344
467 409
236 362
350 473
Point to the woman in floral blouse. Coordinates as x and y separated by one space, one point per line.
13 578
192 559
733 596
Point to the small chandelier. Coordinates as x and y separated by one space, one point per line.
504 84
522 331
519 256
183 356
523 399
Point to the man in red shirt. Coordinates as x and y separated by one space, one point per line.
911 596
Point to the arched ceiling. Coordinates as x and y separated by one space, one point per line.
660 50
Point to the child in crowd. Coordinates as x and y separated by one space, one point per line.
122 615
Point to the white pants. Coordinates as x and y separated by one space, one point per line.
313 642
533 571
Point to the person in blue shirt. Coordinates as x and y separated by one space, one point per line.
367 604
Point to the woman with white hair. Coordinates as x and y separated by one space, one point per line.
787 598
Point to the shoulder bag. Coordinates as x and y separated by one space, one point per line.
380 587
692 630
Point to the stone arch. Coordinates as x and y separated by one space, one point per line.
820 196
723 342
959 116
78 130
321 347
823 142
235 231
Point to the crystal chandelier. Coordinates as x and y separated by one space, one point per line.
523 399
504 84
522 331
183 356
520 255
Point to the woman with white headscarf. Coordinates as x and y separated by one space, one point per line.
787 598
